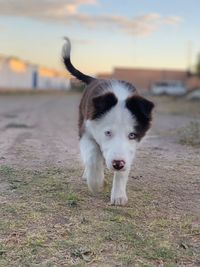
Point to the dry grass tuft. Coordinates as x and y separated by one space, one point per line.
190 135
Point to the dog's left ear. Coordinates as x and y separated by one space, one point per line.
140 107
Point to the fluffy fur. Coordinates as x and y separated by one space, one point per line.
113 118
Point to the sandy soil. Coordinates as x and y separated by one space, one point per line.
39 131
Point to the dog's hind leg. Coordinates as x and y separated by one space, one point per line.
118 193
94 164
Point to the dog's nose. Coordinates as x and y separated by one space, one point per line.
118 164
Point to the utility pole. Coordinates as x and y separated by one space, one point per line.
189 56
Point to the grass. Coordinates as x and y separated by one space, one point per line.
71 198
177 106
48 218
190 135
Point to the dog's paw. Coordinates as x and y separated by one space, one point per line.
95 186
119 201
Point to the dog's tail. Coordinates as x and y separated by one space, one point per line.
67 61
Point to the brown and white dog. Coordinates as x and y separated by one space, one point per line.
113 118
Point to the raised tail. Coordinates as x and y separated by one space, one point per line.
67 61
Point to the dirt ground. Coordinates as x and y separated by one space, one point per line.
47 215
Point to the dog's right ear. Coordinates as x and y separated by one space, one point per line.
103 104
140 107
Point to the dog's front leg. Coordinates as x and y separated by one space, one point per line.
118 193
94 164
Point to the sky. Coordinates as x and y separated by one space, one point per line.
104 33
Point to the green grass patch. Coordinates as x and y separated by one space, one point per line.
70 198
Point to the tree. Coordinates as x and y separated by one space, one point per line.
198 66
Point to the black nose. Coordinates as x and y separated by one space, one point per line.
118 164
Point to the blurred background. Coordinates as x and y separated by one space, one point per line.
153 44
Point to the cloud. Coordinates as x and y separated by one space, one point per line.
51 9
137 26
173 20
68 13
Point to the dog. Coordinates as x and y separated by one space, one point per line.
113 119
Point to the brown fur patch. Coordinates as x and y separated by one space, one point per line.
86 108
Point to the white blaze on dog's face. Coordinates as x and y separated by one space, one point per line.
115 133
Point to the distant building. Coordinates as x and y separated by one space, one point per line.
143 79
193 82
18 74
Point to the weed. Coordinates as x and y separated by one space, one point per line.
71 198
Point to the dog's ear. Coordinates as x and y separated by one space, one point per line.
102 104
140 107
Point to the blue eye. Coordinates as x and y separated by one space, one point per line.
131 136
108 133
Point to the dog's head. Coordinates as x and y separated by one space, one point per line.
119 121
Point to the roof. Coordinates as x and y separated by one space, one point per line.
19 65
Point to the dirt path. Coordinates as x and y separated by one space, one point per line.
38 130
39 133
41 130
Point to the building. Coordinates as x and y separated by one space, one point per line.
18 74
143 79
193 82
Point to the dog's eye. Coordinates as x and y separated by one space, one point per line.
108 133
132 136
